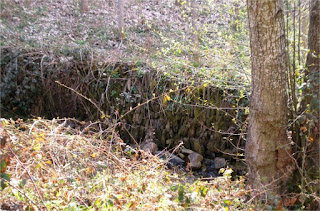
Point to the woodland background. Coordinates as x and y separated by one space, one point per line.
113 76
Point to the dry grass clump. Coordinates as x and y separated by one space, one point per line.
64 164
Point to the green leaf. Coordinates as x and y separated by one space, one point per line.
181 193
227 202
5 176
174 188
4 181
110 203
269 207
3 166
17 195
187 203
29 208
203 191
22 183
130 204
3 184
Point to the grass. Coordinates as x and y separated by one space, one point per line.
157 33
57 167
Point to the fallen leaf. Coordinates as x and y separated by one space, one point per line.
289 202
303 129
311 139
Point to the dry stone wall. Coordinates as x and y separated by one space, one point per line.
177 109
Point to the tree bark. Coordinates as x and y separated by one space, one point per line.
267 148
120 19
312 91
313 57
195 32
84 6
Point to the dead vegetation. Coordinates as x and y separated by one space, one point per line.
66 164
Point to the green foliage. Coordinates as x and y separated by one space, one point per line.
5 178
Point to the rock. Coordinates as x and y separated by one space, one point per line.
204 168
183 131
168 129
169 142
203 141
141 132
195 160
231 130
187 151
212 146
210 155
196 146
150 147
241 169
209 163
182 156
163 139
219 162
150 134
212 174
227 154
173 159
191 131
136 118
186 143
156 107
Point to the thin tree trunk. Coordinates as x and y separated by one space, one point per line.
195 32
267 147
120 19
27 3
293 78
312 91
84 6
313 59
299 32
304 30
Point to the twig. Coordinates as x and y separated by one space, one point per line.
78 93
154 98
30 130
20 191
35 186
131 136
59 127
212 107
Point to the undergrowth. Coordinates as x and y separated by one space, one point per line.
157 33
64 164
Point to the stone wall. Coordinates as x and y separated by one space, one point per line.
177 109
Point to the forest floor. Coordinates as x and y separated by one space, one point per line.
157 33
53 166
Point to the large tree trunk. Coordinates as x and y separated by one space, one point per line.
313 57
312 91
267 148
